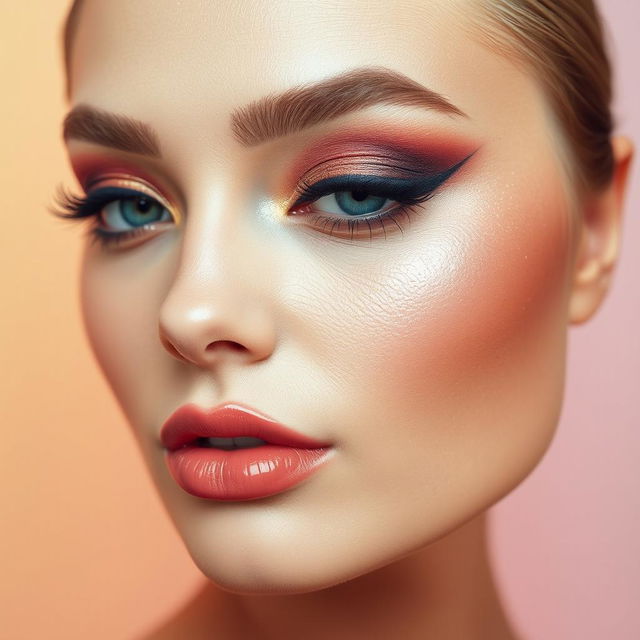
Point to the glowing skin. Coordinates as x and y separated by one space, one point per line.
432 358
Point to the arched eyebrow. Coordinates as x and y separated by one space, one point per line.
112 130
301 107
272 116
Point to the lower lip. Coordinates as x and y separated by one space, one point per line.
242 474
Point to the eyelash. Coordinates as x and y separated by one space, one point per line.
407 193
72 207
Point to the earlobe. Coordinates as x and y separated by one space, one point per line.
599 243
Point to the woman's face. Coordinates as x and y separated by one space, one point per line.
426 343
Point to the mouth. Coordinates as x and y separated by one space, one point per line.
230 426
228 444
233 452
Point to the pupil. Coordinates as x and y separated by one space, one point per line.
143 204
359 196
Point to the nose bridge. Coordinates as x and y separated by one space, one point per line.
217 301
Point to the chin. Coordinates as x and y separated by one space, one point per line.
267 576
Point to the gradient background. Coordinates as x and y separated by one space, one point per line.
86 549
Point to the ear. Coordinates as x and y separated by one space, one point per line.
599 243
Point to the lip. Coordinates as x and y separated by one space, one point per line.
287 458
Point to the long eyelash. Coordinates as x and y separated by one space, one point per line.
71 207
67 205
373 222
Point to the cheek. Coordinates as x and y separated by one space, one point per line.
462 342
120 297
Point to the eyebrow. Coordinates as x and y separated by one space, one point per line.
301 107
272 116
84 122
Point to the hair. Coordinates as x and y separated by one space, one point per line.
563 42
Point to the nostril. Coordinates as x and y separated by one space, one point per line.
168 345
225 344
176 353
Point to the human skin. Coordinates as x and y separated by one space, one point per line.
433 358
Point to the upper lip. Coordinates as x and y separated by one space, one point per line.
229 420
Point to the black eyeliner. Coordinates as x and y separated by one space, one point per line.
406 190
72 206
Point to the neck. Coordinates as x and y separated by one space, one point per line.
443 591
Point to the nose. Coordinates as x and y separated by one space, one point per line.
217 306
208 334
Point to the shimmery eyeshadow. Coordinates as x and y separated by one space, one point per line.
89 167
383 152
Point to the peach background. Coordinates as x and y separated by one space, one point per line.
86 549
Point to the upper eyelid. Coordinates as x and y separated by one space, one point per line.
360 168
386 166
438 178
348 181
138 185
135 184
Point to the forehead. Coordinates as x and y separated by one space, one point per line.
157 55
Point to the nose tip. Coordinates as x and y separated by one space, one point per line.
208 338
216 350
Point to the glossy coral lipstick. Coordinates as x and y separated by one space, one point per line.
233 452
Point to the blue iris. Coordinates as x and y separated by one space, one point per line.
355 203
140 210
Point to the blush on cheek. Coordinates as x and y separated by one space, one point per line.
476 368
494 314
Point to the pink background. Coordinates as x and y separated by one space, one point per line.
566 543
86 549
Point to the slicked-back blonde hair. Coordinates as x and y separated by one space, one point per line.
563 42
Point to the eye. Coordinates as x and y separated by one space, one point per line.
134 211
116 213
370 202
352 203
